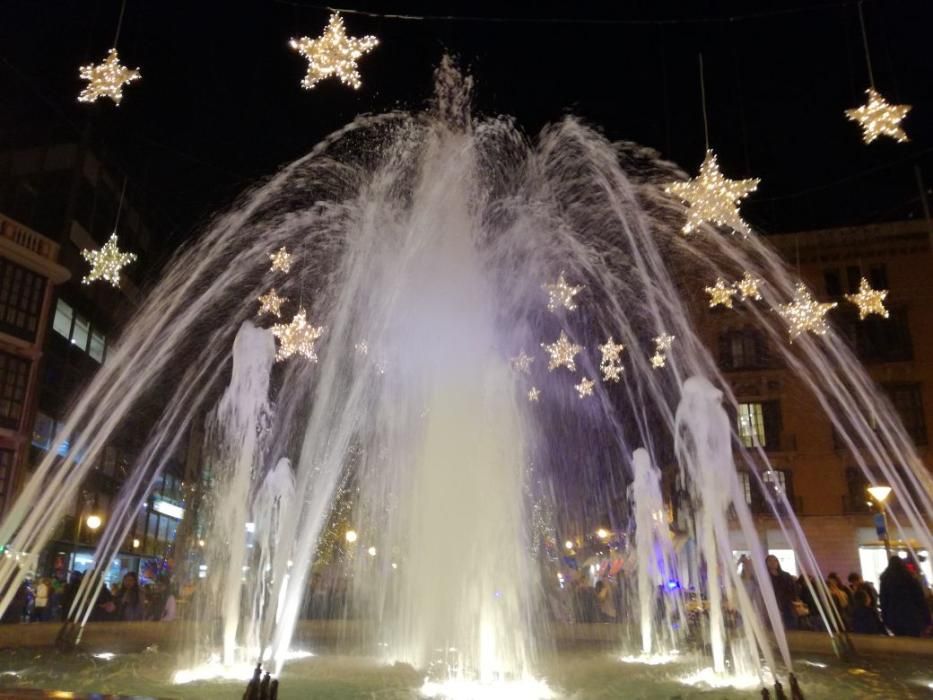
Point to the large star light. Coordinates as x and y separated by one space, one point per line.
720 294
712 197
333 54
107 262
561 353
804 313
561 294
879 118
297 338
271 303
106 79
869 301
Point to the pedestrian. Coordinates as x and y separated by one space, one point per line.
40 606
865 617
903 605
841 597
170 609
605 601
130 600
785 591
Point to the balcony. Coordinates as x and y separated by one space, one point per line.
32 250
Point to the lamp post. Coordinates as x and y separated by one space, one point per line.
880 494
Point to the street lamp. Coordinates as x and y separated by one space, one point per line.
602 533
93 522
880 494
351 536
568 545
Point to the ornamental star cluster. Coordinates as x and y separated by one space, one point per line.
281 260
107 262
869 301
106 79
333 54
805 314
747 287
610 363
297 338
561 294
713 198
662 344
561 352
521 363
877 117
585 387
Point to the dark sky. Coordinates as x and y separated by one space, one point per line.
220 105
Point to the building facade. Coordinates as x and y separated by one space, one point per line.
777 411
67 194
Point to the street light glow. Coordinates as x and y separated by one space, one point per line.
602 533
568 544
372 551
93 522
879 493
351 536
135 543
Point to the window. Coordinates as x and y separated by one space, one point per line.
878 276
21 294
853 277
6 473
64 315
759 424
857 500
877 339
43 431
908 402
96 348
776 482
832 283
14 376
78 330
743 349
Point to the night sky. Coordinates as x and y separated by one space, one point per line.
220 105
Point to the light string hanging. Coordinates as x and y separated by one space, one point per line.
107 78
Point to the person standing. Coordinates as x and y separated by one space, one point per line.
130 601
903 605
865 617
785 591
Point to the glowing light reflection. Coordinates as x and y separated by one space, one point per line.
214 669
105 655
709 678
651 659
463 689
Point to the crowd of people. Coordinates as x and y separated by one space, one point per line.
902 608
49 598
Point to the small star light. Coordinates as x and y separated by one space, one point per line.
661 345
533 393
106 79
297 337
610 364
362 347
561 294
869 301
720 294
522 363
562 352
333 54
747 287
585 387
878 118
804 313
271 303
281 260
713 197
107 262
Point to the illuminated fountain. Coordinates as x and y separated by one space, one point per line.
425 251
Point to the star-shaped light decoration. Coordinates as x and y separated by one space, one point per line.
561 353
869 301
533 393
585 387
521 363
713 198
333 54
720 294
610 364
297 337
281 260
661 346
271 303
106 79
804 313
879 118
561 294
362 348
747 287
107 262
